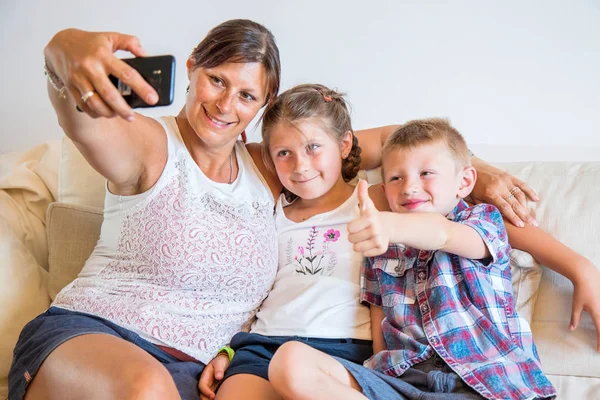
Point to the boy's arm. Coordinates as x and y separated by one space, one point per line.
372 232
377 316
567 262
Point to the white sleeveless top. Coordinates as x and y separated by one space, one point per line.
187 263
316 291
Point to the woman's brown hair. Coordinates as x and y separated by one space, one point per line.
241 41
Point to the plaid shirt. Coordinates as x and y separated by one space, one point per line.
459 308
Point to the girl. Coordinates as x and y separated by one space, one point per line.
308 139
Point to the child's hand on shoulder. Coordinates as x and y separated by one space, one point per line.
368 232
586 296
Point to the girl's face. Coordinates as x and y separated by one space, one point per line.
307 159
223 100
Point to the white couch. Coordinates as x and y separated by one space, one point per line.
43 245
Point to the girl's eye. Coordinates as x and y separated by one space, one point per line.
426 173
312 147
248 96
282 153
394 178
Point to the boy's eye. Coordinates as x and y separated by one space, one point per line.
394 178
426 173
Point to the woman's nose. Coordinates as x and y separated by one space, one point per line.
225 103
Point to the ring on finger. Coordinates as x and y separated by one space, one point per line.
86 96
513 190
510 197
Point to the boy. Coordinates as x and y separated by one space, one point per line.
442 309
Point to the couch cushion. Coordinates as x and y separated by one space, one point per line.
78 182
72 234
570 211
23 294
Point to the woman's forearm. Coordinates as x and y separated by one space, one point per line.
547 250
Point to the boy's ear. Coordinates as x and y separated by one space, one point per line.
467 182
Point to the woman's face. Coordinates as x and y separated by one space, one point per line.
223 100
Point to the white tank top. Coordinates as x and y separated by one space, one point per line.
316 291
187 263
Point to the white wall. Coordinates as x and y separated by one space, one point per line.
505 72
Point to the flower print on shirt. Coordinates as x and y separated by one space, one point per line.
309 260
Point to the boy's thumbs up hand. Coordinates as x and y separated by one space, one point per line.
367 231
364 201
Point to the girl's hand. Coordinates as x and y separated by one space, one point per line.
84 60
586 297
212 375
504 191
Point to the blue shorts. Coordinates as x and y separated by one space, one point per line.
54 327
432 379
253 352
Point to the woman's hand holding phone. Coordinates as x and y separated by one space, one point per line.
84 60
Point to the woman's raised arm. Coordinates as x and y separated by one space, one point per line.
118 143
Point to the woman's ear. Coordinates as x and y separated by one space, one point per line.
346 145
467 182
189 64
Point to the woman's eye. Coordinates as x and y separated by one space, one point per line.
248 96
216 80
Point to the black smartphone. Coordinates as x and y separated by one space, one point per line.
158 71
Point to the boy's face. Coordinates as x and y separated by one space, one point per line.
424 179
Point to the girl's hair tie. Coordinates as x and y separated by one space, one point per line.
325 96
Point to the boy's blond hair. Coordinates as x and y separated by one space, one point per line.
425 131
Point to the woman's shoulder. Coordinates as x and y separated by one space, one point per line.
256 153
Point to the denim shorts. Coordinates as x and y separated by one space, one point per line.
54 327
253 352
429 380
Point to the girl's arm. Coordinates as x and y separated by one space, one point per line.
371 142
567 262
377 316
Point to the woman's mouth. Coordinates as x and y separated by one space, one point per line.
215 121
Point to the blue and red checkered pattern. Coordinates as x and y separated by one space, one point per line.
462 309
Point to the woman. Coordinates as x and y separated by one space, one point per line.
188 247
